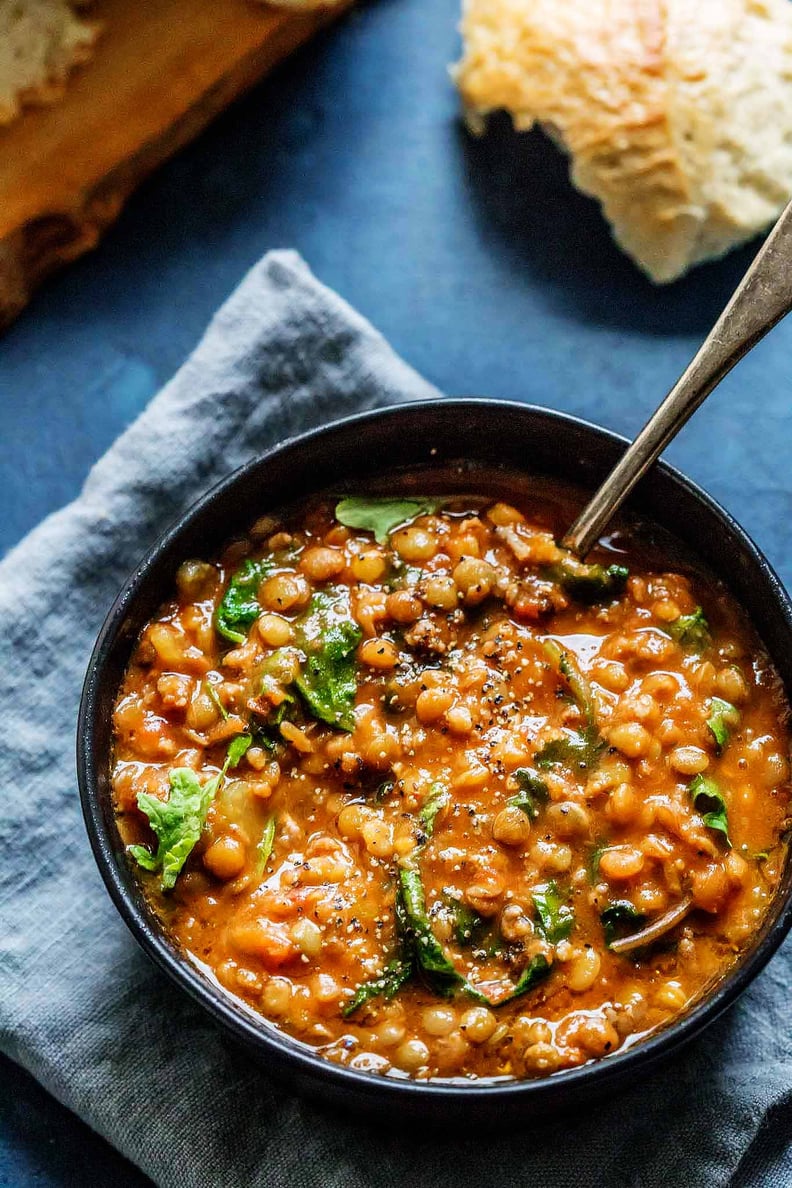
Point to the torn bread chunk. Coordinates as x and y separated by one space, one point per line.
677 117
40 42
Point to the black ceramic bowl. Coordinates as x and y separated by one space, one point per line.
486 438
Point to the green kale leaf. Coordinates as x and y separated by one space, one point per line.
239 607
381 516
554 918
708 800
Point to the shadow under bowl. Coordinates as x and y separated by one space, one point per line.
472 438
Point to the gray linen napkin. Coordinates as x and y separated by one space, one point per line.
85 1011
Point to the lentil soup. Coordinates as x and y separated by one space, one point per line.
440 801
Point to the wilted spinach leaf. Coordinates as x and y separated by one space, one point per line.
467 924
239 607
419 951
400 968
402 576
381 516
588 583
430 957
574 749
267 731
237 750
214 697
535 971
620 919
264 848
328 678
723 716
533 792
592 866
691 631
177 823
708 800
555 919
384 790
574 679
439 797
429 954
398 971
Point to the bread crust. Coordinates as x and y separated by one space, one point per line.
642 94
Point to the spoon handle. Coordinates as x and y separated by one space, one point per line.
761 299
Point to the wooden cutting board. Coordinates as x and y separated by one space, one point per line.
161 70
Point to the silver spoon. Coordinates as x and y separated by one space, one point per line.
763 298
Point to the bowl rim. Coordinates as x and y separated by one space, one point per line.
261 1034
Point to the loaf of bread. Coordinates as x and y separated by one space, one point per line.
40 42
677 114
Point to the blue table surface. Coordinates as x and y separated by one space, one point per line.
474 257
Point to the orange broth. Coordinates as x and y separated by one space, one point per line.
458 767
